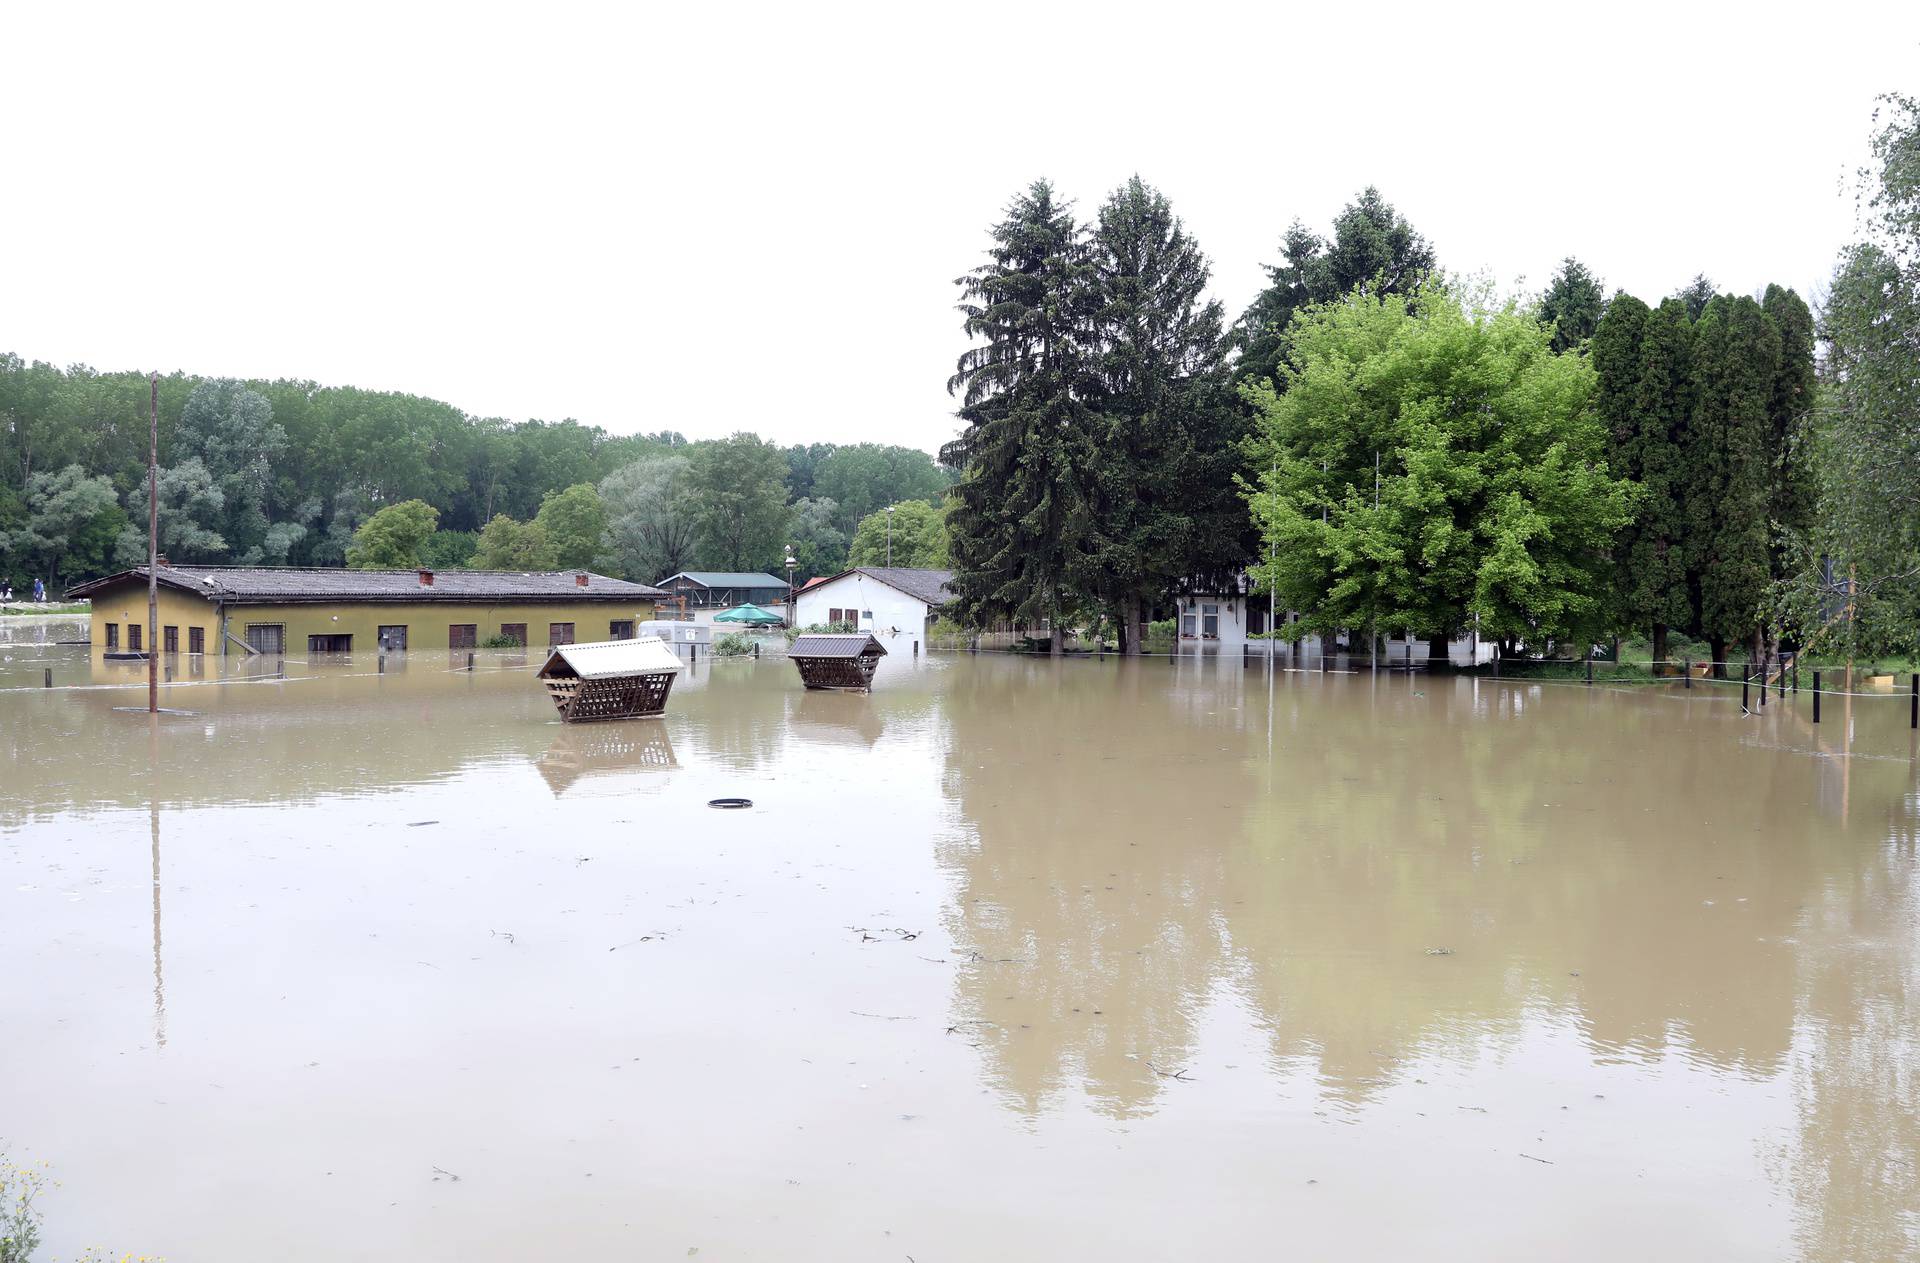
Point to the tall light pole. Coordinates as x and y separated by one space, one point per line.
889 537
791 563
153 544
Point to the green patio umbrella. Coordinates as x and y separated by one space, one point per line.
748 614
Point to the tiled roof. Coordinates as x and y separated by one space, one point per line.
834 645
291 584
925 585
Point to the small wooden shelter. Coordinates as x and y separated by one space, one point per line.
610 679
836 660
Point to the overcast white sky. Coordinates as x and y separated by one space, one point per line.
710 218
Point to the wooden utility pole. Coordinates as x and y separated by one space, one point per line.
153 545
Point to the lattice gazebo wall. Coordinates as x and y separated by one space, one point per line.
617 697
837 660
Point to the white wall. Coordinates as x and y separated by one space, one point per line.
890 614
1233 622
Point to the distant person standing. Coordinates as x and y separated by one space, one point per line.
39 592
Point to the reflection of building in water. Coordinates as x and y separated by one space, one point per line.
604 751
851 718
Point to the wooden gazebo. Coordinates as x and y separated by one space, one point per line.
610 679
836 660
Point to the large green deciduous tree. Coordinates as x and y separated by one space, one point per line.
1644 399
737 488
192 508
650 522
506 544
229 428
1493 503
394 538
813 532
1854 583
919 537
1020 517
69 529
1163 503
867 476
574 522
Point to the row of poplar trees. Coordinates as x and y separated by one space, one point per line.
1707 402
1101 427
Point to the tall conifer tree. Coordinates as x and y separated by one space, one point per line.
1163 500
1644 399
1573 305
1020 518
1736 364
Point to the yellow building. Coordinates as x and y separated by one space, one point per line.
241 609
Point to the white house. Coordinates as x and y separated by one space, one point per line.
894 603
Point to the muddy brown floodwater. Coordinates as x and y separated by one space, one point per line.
1010 959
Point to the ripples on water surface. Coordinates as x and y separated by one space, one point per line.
1080 961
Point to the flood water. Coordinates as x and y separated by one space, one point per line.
1088 960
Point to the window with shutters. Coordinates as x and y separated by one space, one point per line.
196 640
559 633
516 632
462 635
267 637
113 637
133 636
170 639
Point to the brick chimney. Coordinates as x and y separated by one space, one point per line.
580 579
426 577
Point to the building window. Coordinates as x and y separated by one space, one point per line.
516 632
330 643
267 637
867 614
620 629
1187 627
196 640
559 633
462 635
1210 621
836 615
133 636
170 639
113 637
393 636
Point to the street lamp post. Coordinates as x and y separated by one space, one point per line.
889 537
791 563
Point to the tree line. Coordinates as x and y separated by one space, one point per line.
1390 449
294 473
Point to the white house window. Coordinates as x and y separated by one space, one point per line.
1210 621
1187 626
868 614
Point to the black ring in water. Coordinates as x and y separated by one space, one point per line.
729 803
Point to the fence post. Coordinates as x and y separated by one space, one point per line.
1766 665
1589 670
1816 697
383 664
1746 684
469 661
756 651
1913 708
1686 672
1496 662
49 683
916 649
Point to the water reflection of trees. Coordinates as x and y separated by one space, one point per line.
1853 1163
1637 867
